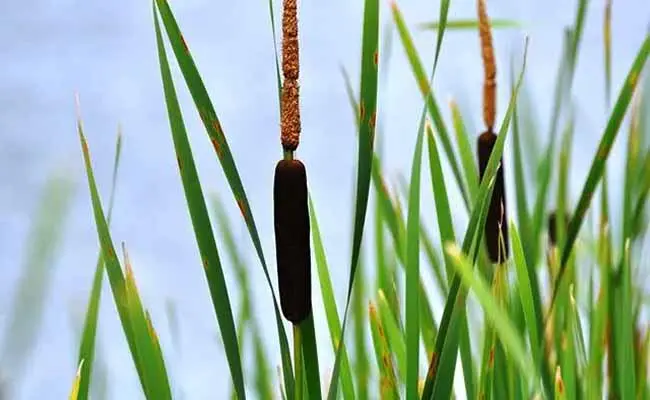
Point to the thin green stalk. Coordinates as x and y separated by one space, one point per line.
298 362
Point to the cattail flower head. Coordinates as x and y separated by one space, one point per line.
489 66
553 221
496 226
290 99
292 239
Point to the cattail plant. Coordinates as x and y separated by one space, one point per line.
496 228
553 222
290 198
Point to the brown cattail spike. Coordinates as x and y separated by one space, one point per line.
496 226
553 233
489 65
291 216
290 107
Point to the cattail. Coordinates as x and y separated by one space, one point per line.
292 245
496 227
290 195
553 227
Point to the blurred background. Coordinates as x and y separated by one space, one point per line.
106 52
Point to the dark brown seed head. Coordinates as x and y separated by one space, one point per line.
496 225
552 227
292 243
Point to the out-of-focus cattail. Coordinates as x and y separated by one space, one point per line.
553 221
496 227
293 254
290 194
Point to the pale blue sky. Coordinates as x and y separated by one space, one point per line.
106 52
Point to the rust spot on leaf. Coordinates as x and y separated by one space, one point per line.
217 146
204 118
375 58
385 360
185 47
373 121
217 126
633 79
84 146
242 208
491 359
433 367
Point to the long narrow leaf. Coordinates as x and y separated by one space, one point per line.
88 337
201 221
600 160
367 120
472 235
217 137
413 273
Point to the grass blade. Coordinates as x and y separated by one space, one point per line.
310 357
599 162
443 214
469 24
607 47
523 218
88 337
146 339
413 273
455 305
501 323
367 120
531 303
213 127
119 287
361 363
387 381
442 24
394 334
427 94
443 211
278 77
43 243
74 392
329 301
465 149
201 221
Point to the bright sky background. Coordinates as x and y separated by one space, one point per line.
106 52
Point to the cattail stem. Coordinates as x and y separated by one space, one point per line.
287 155
297 359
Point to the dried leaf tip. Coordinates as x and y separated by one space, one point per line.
290 101
489 66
